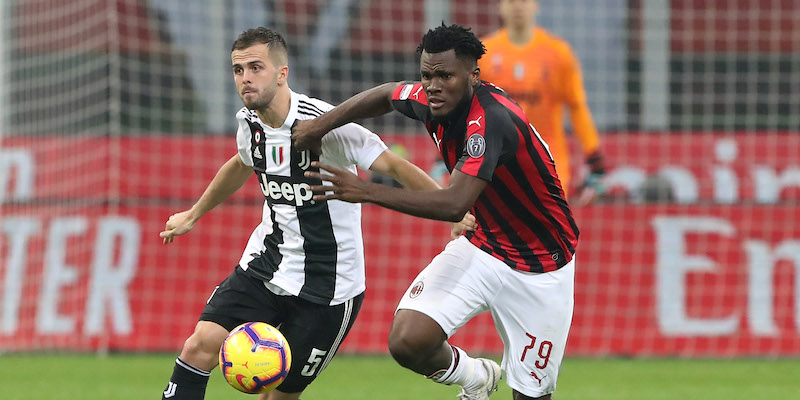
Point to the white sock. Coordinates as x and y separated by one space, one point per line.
464 370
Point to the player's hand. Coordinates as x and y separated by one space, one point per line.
466 224
592 187
307 135
345 185
589 190
177 224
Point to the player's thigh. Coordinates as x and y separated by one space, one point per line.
533 314
454 287
314 333
241 298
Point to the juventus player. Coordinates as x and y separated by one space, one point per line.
518 264
303 267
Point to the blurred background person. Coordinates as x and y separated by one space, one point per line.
540 71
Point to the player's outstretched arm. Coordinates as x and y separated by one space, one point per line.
403 171
230 177
450 204
414 178
307 134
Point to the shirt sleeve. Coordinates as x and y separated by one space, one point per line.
243 139
410 99
352 144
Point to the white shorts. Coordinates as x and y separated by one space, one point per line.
532 312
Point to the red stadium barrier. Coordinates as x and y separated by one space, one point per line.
82 267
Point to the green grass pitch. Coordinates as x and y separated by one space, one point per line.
123 377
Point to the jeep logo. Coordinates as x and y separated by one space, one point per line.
280 190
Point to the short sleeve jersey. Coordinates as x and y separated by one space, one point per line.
522 216
313 250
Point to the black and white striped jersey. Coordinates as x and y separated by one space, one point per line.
313 250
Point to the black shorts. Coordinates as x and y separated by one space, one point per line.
314 331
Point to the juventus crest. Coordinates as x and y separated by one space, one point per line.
278 155
305 160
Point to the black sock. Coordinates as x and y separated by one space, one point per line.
187 383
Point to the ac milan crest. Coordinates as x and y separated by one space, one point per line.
416 289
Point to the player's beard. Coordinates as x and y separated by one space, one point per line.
261 102
264 98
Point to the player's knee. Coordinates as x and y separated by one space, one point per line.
409 349
201 350
414 337
403 352
195 346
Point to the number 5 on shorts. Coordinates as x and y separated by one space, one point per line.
314 360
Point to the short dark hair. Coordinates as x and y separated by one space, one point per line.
455 37
279 55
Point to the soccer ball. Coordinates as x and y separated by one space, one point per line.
255 358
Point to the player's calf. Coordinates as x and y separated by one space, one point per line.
200 354
186 383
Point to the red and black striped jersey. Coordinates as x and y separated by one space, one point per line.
523 218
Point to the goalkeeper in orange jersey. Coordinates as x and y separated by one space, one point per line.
540 72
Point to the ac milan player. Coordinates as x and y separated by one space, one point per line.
518 264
